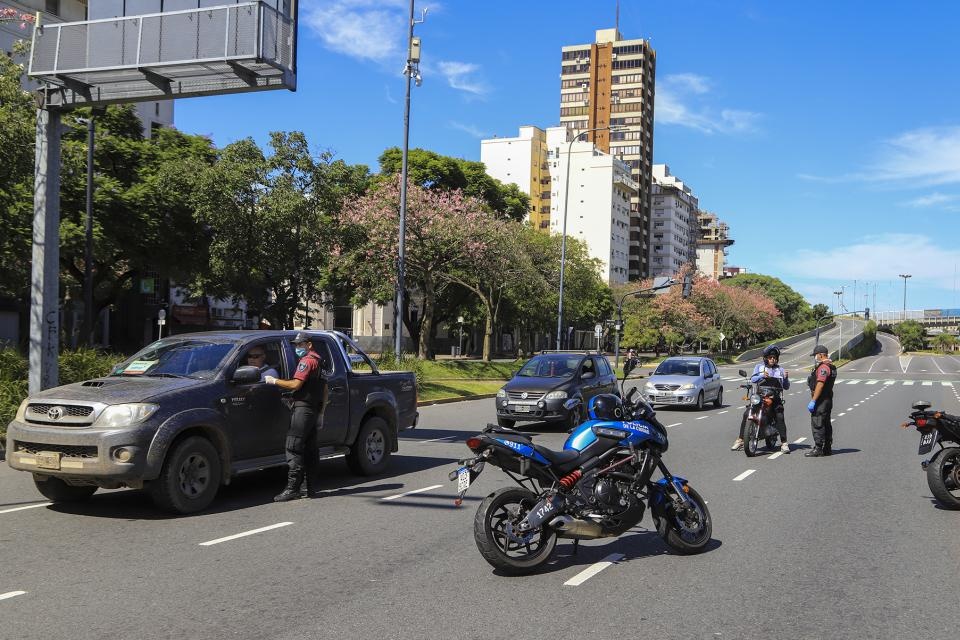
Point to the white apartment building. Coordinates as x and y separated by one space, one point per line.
522 161
712 245
674 224
152 114
598 213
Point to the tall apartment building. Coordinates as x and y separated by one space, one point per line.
674 225
522 161
610 83
152 114
598 209
712 245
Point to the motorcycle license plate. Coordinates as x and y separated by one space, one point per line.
927 439
463 479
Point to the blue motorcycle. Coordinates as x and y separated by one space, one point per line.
598 486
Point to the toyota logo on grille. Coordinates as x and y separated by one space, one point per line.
524 395
55 413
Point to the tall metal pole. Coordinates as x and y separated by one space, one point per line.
904 276
563 239
401 253
45 267
87 335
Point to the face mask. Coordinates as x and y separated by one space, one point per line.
300 351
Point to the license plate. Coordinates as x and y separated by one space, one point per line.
48 459
926 441
522 408
463 479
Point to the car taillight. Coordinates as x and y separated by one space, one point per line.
473 443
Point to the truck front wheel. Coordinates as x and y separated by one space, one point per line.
370 454
190 477
56 490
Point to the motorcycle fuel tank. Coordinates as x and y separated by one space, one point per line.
639 430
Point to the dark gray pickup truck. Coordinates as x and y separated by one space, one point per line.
189 412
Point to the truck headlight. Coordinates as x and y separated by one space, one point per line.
21 411
124 415
688 386
556 395
501 393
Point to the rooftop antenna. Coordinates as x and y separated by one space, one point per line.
617 21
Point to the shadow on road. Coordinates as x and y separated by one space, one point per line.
414 435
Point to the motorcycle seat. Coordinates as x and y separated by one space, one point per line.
509 434
558 458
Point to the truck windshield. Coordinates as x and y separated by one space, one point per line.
176 358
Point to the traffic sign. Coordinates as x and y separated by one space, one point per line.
598 329
722 337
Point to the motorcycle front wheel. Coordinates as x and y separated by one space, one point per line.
494 529
943 478
687 533
751 438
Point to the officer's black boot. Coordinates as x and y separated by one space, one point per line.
815 452
828 448
292 490
307 488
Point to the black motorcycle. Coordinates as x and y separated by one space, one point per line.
598 486
759 415
943 467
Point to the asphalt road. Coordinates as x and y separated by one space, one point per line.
849 546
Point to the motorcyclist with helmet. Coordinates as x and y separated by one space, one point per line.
769 367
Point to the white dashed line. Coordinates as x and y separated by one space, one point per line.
245 534
436 439
11 594
907 383
29 506
871 382
927 384
799 440
775 456
844 413
720 413
675 424
703 417
593 570
410 493
947 384
743 475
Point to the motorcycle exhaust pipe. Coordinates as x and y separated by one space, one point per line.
569 527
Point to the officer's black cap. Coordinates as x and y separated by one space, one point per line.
820 349
301 337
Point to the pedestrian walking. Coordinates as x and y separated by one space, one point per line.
821 381
309 389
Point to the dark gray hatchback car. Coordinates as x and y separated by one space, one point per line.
540 388
188 413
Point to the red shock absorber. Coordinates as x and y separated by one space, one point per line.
571 478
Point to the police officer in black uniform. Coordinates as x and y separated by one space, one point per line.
309 393
821 381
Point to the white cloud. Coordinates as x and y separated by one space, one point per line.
362 29
467 128
462 76
680 99
932 200
880 257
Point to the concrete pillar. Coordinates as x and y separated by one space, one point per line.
45 279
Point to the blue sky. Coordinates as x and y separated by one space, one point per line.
827 134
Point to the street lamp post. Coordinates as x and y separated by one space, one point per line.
460 348
412 72
563 239
840 297
905 276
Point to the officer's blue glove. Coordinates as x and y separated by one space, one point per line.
811 406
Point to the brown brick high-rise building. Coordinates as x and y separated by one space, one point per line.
610 83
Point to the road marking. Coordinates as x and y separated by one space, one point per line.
675 424
720 413
853 382
907 383
775 456
844 413
906 366
799 440
947 384
593 570
871 382
743 475
703 417
436 439
926 384
29 506
410 493
886 382
245 534
11 594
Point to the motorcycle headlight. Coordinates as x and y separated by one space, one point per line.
754 398
21 410
501 393
688 386
125 415
556 395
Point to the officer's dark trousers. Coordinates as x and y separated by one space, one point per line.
820 422
302 446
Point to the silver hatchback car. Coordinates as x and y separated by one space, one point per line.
685 380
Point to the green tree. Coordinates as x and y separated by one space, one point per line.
820 310
944 342
911 334
794 309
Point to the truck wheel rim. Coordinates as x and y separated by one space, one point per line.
194 475
375 446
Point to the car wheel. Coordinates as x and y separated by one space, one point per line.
700 401
56 490
190 477
719 401
371 452
574 418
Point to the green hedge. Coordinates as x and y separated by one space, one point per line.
75 366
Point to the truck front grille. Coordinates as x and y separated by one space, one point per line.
68 415
68 451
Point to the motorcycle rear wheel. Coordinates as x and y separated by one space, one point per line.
499 510
689 535
943 478
750 439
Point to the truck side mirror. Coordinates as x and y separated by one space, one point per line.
246 375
